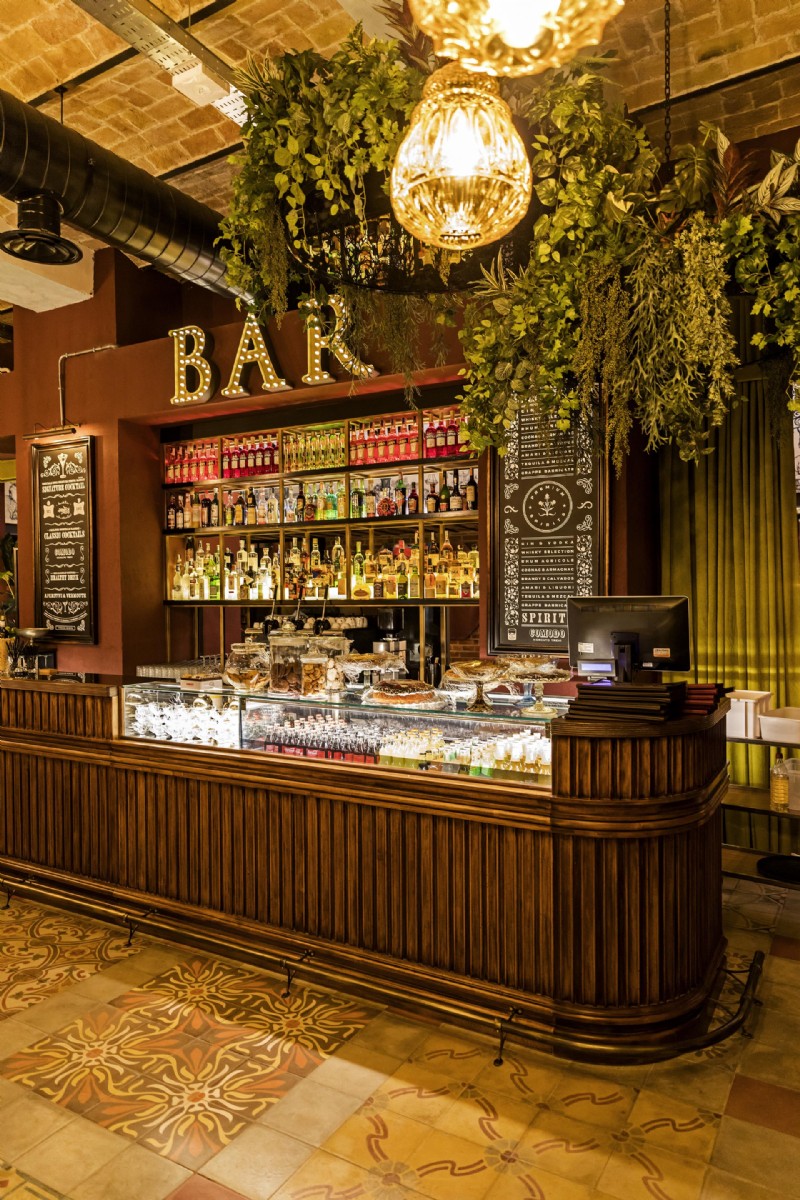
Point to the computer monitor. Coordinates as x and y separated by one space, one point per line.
613 636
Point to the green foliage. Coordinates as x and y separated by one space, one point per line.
622 310
315 128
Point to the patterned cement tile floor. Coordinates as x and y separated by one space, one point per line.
154 1072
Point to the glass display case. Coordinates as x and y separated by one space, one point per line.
431 734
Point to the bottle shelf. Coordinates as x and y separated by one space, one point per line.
291 605
377 468
339 523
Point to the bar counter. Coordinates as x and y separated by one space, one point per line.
589 914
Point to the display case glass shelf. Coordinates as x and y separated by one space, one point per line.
434 736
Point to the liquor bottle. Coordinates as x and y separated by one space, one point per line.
341 503
239 511
229 514
356 502
391 443
441 581
179 513
252 560
213 511
432 500
413 582
430 440
235 461
400 496
380 446
171 512
471 491
205 511
169 465
272 507
369 566
250 462
444 497
390 583
315 559
319 505
242 555
195 510
432 553
300 505
441 439
371 445
177 581
403 442
261 508
453 581
250 510
402 579
377 585
358 564
446 554
452 435
456 503
213 578
226 461
370 503
412 503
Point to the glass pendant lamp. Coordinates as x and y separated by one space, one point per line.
512 37
461 177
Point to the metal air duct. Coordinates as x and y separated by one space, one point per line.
104 196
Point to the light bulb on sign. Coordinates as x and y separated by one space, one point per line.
461 177
512 37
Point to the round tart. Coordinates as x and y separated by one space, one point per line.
403 691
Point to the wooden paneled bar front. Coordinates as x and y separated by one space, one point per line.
593 910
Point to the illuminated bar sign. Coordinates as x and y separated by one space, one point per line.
63 541
197 376
547 527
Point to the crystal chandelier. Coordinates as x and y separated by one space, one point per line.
512 37
461 177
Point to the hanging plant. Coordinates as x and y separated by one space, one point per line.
617 309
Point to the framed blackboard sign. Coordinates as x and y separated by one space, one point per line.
547 535
63 518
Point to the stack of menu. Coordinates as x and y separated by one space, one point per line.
703 698
627 702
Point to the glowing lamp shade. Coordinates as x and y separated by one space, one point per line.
461 177
512 37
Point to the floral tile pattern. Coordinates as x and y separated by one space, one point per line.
192 1066
21 1187
44 951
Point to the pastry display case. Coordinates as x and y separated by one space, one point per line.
399 724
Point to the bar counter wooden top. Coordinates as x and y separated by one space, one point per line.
592 910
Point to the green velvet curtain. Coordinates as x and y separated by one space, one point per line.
730 543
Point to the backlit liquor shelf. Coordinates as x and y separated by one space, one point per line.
377 511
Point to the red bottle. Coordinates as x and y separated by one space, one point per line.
430 440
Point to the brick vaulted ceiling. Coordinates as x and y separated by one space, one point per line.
736 61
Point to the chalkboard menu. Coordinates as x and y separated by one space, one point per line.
63 543
548 516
